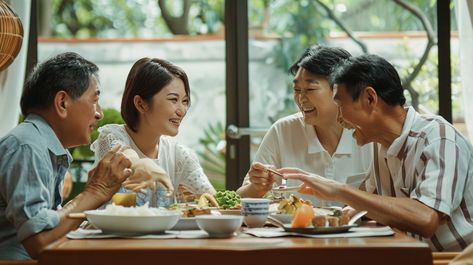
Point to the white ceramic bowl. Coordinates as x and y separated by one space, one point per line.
255 219
219 225
254 202
116 224
253 210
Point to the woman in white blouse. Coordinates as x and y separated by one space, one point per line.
155 100
313 139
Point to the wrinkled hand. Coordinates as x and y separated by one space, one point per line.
260 177
145 174
315 185
106 178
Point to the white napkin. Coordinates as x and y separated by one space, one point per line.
353 232
97 233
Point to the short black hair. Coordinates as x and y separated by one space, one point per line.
356 73
319 60
67 72
146 78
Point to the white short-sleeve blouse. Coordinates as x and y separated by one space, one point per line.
292 143
180 162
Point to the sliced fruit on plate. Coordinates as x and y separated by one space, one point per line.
303 216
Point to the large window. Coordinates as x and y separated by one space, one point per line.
116 33
403 32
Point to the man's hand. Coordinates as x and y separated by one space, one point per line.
315 185
106 178
260 178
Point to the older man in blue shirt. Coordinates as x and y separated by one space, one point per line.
60 102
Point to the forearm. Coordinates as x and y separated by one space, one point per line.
82 202
404 213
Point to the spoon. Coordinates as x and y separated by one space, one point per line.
357 217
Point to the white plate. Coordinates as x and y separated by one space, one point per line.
115 224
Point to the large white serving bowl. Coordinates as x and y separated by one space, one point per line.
219 225
117 224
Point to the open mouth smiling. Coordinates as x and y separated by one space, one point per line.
308 109
175 122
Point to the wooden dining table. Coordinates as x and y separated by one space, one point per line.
241 249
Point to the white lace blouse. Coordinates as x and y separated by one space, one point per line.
180 162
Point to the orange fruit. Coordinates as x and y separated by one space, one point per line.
303 216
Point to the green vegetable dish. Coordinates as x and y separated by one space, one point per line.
227 199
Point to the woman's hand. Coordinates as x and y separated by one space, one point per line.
260 178
105 179
315 185
145 173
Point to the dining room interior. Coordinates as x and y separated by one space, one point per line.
237 56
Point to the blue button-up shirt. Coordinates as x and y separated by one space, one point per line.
33 163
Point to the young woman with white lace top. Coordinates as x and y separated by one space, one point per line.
155 100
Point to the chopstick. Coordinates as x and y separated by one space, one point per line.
76 216
274 172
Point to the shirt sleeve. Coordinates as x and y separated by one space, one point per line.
24 182
109 136
442 182
193 176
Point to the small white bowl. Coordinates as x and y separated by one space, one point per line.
255 219
219 225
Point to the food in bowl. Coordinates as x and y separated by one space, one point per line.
219 225
127 199
115 219
207 200
144 210
228 199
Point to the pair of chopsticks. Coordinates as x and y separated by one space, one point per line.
274 172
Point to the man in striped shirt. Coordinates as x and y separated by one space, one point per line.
421 177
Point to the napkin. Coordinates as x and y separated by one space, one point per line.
97 233
353 232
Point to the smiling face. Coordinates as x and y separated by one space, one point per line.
83 115
353 115
166 109
313 96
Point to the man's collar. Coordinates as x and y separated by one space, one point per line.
48 134
397 146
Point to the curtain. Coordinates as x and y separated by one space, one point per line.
12 78
464 14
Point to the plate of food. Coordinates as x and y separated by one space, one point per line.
304 222
115 219
227 202
298 216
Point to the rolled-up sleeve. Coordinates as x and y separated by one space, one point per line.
26 179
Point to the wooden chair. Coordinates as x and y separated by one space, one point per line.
443 258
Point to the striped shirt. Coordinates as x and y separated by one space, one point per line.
433 163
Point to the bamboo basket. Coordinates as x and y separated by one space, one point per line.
11 35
